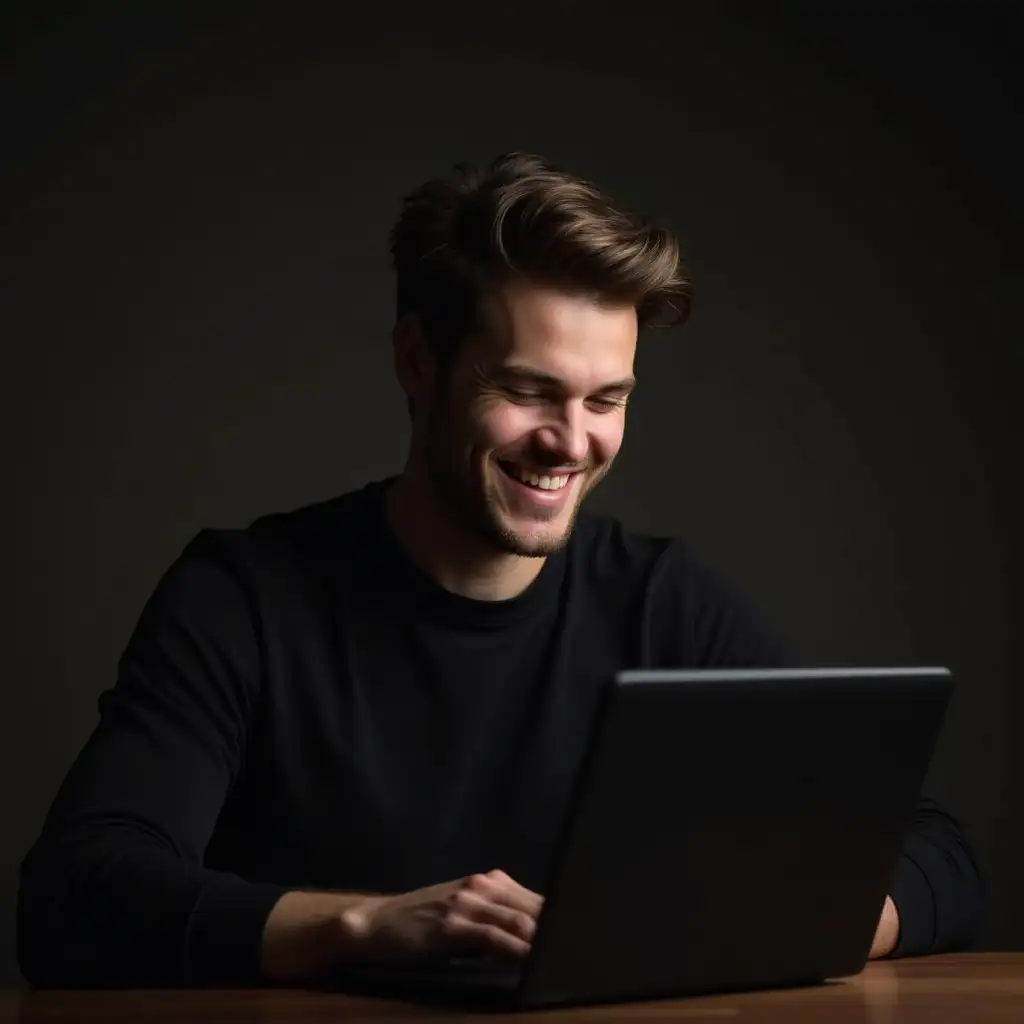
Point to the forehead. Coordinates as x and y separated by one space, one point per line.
575 338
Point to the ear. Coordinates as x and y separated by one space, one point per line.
414 359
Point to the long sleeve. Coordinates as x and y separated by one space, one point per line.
114 892
937 886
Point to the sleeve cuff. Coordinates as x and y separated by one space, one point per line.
915 903
225 931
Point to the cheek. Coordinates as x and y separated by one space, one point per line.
506 424
606 437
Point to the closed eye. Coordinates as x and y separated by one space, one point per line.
523 395
606 404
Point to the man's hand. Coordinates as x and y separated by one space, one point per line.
478 915
888 931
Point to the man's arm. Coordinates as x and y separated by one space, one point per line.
887 933
306 934
114 892
937 887
935 900
486 913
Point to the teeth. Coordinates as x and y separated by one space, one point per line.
545 483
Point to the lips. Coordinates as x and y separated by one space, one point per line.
528 489
541 480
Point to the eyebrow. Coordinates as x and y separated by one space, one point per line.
525 374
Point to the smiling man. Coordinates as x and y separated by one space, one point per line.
349 732
516 431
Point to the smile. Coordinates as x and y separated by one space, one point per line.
542 482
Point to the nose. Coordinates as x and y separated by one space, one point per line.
565 440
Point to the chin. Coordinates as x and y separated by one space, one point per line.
539 547
529 536
536 541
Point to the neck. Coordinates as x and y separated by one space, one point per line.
448 553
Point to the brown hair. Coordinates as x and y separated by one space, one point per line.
522 217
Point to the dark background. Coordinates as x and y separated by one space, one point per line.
197 302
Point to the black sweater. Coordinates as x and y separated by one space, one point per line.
300 708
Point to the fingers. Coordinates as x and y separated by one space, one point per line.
476 907
470 935
501 888
492 913
487 938
472 916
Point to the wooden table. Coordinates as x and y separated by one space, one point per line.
968 987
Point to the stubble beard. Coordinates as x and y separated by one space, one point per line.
474 501
512 543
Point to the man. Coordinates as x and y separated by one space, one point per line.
349 732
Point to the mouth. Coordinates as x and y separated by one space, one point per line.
539 481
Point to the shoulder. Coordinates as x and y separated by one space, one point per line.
613 550
313 535
609 549
273 559
694 615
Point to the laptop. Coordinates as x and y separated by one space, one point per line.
729 830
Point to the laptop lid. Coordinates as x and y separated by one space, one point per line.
733 829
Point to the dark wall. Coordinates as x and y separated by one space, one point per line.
197 305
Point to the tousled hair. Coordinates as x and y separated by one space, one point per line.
522 218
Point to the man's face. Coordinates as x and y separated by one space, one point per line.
531 415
